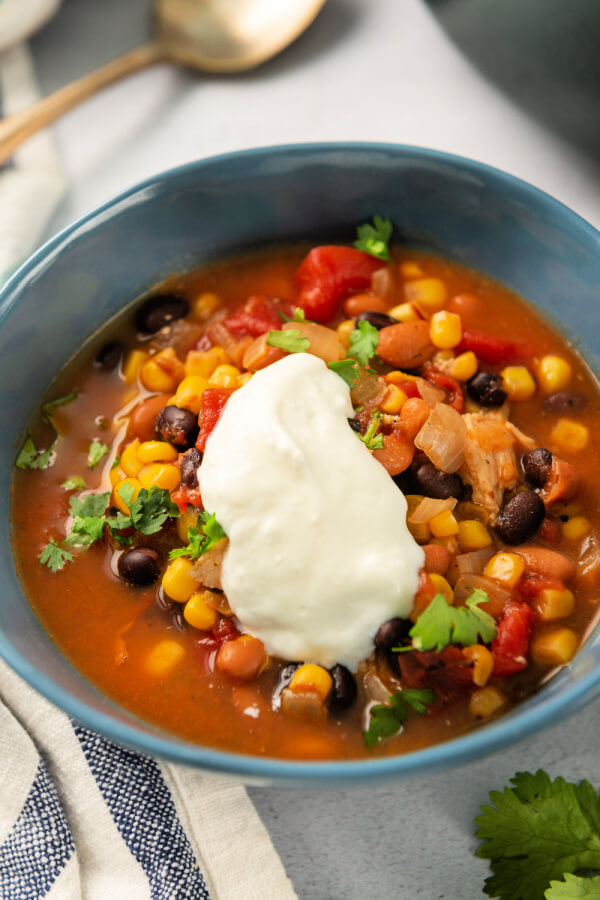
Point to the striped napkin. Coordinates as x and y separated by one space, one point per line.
81 817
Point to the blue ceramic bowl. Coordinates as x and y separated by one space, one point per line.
69 288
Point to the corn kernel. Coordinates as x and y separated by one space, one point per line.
130 462
576 528
443 524
205 305
177 582
554 374
483 663
445 329
154 377
404 312
393 399
570 436
244 378
189 393
224 376
132 365
506 568
344 330
186 520
164 656
554 648
554 603
486 701
157 451
411 269
428 294
463 366
398 377
118 500
199 611
311 679
518 382
441 586
473 535
204 362
117 474
160 475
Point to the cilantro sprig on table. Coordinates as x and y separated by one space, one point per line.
441 624
387 719
201 538
374 239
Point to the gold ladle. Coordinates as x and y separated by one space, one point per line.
220 36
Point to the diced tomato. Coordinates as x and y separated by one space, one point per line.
511 644
224 630
493 350
410 388
531 585
448 384
448 673
327 275
186 496
213 403
258 315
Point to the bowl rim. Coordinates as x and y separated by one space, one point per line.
514 726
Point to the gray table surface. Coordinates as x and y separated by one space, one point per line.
382 70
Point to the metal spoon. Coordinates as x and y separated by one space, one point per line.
221 36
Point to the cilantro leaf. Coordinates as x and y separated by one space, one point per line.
574 888
291 341
201 538
371 438
60 401
299 315
74 483
29 457
115 462
211 528
85 530
373 239
418 698
54 556
126 492
194 547
346 369
441 624
536 832
97 451
150 509
363 342
89 505
386 720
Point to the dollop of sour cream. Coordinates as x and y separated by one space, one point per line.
319 552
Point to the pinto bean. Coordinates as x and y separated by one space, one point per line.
361 303
550 563
143 417
413 415
259 355
397 452
562 482
437 559
406 345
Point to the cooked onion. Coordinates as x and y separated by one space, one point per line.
382 281
499 595
443 438
430 507
430 394
472 563
368 390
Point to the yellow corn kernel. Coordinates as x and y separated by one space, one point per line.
130 462
441 586
393 399
443 524
518 382
463 366
445 329
156 451
177 582
398 377
117 474
244 378
164 656
404 312
429 294
311 679
486 701
224 376
199 611
554 603
189 393
344 330
160 475
473 535
118 500
554 374
576 528
204 362
483 663
188 519
132 365
570 436
554 648
506 568
411 269
162 372
205 305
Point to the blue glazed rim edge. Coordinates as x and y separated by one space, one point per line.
491 738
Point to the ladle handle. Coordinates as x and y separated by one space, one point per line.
15 129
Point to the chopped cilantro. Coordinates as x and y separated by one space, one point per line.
97 451
574 888
89 505
291 341
374 239
30 457
372 439
60 401
346 369
54 556
299 315
88 519
201 538
150 509
74 483
115 462
386 720
441 624
363 342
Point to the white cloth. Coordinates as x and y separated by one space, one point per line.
80 817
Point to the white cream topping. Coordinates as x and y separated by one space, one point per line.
319 552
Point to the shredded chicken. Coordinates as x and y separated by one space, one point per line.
207 569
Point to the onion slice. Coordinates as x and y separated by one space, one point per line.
443 438
430 507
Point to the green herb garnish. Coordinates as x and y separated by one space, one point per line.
74 483
96 452
30 457
60 401
201 538
346 369
150 509
441 624
386 721
88 519
363 342
374 239
372 438
54 556
574 888
291 341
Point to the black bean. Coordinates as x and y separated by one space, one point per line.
536 466
354 425
392 633
431 482
343 690
377 319
520 518
188 467
485 388
565 402
139 566
177 426
156 312
109 355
